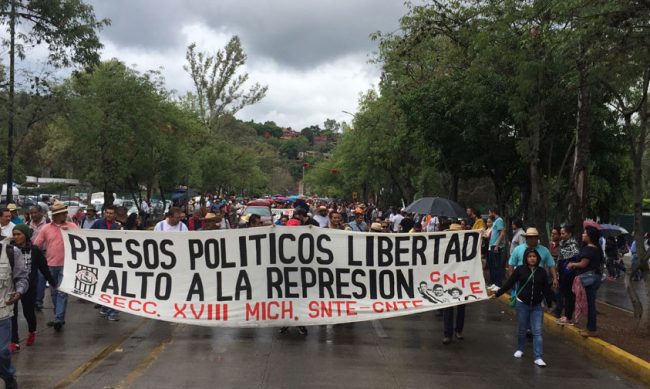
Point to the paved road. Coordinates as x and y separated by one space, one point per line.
404 352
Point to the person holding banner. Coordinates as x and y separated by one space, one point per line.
51 238
534 289
448 313
107 223
294 222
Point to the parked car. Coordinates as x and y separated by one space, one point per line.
255 207
124 203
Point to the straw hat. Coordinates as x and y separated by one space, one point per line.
375 227
531 233
210 216
58 207
455 227
12 207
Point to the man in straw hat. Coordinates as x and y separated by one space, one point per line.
321 216
532 241
210 222
51 238
15 218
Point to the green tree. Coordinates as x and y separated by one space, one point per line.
622 31
219 83
69 30
123 130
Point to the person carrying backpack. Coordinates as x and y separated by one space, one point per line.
13 284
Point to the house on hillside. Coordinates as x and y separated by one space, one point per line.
320 139
288 133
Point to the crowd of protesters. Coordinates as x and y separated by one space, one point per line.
567 272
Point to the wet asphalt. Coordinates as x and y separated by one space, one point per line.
403 352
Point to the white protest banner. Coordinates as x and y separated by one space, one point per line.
273 276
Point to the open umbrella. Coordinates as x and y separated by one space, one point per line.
436 206
613 230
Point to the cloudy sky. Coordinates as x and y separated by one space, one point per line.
312 54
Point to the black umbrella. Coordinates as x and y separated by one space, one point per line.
436 206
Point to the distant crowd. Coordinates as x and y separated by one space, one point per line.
568 272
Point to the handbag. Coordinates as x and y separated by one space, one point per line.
513 298
588 278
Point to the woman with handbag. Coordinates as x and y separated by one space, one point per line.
528 301
589 272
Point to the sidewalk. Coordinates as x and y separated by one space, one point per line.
613 292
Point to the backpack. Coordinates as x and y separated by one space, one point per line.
10 254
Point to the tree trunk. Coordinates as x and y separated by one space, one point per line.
162 196
497 181
643 326
579 183
108 195
453 187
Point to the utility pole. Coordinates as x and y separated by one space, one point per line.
10 130
301 189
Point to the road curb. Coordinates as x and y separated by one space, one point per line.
629 363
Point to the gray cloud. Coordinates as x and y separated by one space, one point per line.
311 53
295 33
151 25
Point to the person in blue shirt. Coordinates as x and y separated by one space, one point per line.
532 242
495 253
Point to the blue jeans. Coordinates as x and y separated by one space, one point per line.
495 265
7 371
591 304
59 299
533 317
40 290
